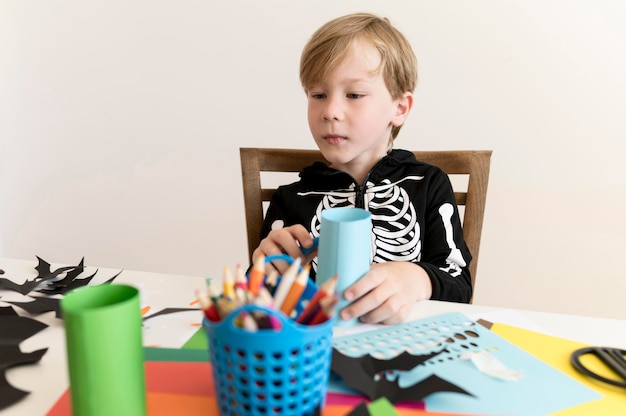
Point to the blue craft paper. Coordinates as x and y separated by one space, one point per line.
345 246
541 390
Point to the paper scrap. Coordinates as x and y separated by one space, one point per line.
488 364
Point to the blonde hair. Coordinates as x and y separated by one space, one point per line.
328 46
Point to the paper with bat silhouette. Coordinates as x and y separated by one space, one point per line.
542 390
370 376
13 330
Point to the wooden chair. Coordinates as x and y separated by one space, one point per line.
473 164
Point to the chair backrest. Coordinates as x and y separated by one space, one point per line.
473 164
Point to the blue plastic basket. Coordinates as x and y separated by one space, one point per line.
270 372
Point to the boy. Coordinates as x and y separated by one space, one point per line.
359 74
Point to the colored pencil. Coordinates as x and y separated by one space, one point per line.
326 310
247 322
208 308
228 284
327 289
285 283
257 274
226 305
295 292
214 295
240 278
271 280
264 298
241 284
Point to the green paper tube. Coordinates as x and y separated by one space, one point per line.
105 350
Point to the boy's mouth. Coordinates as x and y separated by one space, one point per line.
334 139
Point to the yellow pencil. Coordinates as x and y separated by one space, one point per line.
228 283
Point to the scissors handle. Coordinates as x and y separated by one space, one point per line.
612 357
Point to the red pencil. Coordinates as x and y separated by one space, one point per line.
208 307
327 289
325 311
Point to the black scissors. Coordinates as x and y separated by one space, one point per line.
613 358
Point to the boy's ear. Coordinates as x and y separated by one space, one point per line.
403 107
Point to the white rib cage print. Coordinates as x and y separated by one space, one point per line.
396 231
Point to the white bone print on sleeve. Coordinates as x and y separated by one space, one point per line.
455 258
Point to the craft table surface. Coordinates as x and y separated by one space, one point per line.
48 379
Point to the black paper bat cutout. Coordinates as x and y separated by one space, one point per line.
359 373
43 268
13 330
45 281
66 284
39 305
28 285
44 275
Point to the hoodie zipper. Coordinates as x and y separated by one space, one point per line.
359 200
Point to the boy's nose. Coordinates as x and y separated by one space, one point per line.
332 111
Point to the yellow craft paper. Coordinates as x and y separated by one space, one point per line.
556 352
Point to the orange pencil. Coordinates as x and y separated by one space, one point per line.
325 290
257 274
296 290
286 282
326 310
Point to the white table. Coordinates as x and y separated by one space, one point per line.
48 379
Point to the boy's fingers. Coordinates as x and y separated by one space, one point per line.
361 287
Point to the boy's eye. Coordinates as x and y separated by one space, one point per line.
354 96
317 95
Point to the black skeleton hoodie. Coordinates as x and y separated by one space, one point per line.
414 216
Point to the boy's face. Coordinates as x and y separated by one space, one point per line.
351 112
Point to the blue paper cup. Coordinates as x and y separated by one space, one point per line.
345 248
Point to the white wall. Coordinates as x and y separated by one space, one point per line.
120 123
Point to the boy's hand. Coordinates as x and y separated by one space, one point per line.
387 293
289 241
